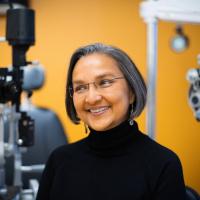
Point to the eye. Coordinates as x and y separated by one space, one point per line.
106 82
81 88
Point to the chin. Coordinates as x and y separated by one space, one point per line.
100 127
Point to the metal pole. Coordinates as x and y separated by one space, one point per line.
2 159
152 75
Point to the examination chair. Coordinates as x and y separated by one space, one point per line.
191 194
49 134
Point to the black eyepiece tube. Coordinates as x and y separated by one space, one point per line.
20 26
20 33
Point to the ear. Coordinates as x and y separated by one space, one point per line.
131 97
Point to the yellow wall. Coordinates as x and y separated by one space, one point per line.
64 25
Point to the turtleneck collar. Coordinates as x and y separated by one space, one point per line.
113 141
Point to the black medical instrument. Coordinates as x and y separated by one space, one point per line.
20 35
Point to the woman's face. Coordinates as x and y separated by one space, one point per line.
105 104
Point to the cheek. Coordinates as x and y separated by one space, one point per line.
122 101
77 105
119 99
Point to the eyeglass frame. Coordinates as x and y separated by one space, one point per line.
71 90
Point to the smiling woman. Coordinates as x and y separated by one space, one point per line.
116 161
105 104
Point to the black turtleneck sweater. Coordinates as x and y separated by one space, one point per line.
119 164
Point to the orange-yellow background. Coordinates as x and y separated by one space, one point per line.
64 25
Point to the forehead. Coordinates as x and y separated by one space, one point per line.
94 65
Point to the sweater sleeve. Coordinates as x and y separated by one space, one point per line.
46 180
170 184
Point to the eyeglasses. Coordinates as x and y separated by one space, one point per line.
99 84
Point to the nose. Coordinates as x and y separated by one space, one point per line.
92 96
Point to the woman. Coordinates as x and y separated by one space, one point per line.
116 161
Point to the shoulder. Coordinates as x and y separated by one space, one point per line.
153 148
68 152
156 155
72 148
162 165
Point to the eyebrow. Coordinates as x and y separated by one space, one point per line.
97 77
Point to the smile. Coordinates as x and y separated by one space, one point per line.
98 111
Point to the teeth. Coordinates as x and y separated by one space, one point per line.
98 110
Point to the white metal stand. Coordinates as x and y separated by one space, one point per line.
184 11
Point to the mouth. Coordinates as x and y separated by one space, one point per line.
98 111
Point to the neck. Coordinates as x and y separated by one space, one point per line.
112 140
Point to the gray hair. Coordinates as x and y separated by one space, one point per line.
125 64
